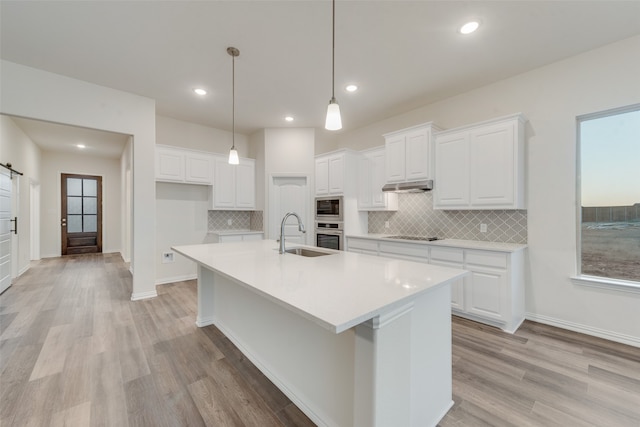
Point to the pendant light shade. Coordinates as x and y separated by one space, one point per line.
333 121
233 153
233 156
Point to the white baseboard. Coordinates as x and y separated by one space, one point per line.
143 295
176 279
584 329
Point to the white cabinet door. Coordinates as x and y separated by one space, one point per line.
417 155
245 184
451 187
322 176
198 168
487 294
224 184
457 287
372 177
364 183
454 258
336 174
379 199
169 164
492 165
395 158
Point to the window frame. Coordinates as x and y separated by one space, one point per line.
585 279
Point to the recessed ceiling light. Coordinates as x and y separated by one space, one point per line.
81 146
289 118
351 88
200 91
469 27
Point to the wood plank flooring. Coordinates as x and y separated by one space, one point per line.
75 351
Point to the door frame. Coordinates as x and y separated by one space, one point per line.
62 200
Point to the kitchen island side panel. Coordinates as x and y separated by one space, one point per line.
311 365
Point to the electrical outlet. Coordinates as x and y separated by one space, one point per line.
483 228
229 221
167 257
386 224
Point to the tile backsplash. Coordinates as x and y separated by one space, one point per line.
416 216
240 220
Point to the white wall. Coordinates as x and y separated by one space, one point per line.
18 149
53 165
181 219
179 133
551 97
283 152
126 200
37 94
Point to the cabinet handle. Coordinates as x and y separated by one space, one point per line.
15 225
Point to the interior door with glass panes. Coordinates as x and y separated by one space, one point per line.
81 222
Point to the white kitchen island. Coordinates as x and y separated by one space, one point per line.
351 339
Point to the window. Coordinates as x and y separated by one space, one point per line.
609 195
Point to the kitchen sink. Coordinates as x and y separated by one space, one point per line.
306 252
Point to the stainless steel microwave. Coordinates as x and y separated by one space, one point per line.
329 208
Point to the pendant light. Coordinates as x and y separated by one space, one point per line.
333 121
233 153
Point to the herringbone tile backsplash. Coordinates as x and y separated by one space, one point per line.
415 216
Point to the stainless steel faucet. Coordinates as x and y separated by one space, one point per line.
284 220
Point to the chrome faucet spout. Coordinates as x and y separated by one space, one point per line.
284 220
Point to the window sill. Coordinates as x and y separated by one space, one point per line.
606 283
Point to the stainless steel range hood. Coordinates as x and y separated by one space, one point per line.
409 187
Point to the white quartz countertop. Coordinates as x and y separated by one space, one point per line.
336 291
455 243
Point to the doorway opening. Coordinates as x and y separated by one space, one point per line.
81 223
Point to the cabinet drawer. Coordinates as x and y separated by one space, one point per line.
487 259
420 251
447 254
363 244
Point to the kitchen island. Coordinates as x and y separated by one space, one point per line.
351 339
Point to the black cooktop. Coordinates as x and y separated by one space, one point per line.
423 238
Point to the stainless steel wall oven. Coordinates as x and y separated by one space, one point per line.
330 235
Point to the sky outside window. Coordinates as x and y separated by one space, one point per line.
610 155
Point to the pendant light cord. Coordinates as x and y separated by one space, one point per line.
333 51
233 102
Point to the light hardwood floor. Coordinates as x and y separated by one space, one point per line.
75 351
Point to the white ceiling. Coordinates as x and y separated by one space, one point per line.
402 54
65 138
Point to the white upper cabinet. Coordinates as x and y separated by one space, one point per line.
371 178
481 166
198 168
408 153
452 170
331 170
183 166
234 185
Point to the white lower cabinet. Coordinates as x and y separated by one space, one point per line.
407 252
240 236
493 292
451 257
